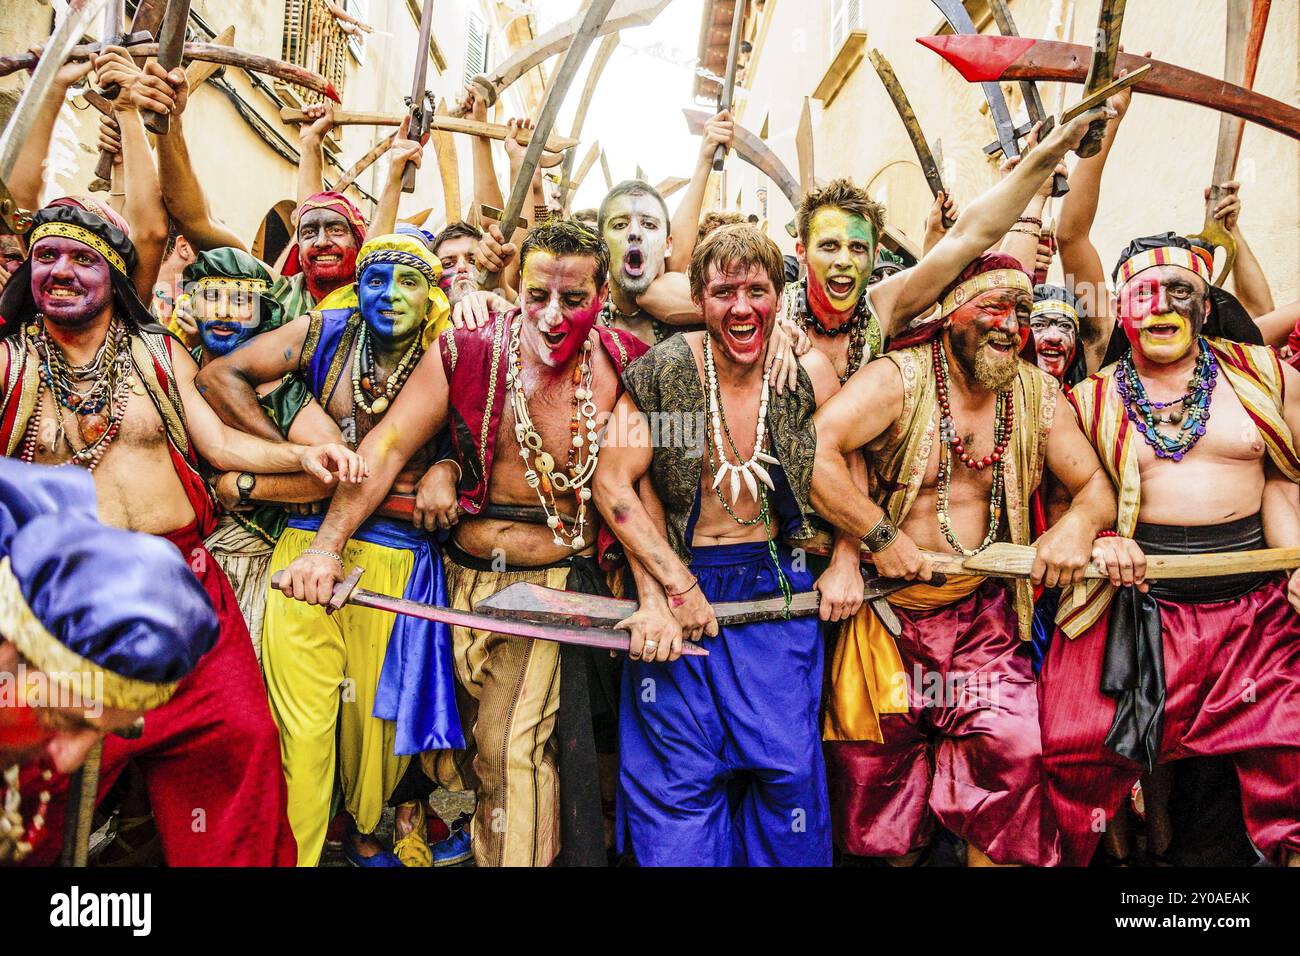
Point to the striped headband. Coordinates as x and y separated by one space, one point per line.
1163 256
398 257
984 282
1055 307
70 230
243 284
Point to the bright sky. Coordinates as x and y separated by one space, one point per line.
636 111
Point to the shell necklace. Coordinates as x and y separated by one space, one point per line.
750 471
542 475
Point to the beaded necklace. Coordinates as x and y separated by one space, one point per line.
718 460
1143 412
608 311
363 374
855 327
115 380
18 838
1003 422
541 475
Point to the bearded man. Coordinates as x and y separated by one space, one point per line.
456 248
384 685
957 431
85 366
228 302
1197 435
720 763
522 396
73 668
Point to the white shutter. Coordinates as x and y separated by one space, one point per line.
357 44
476 47
846 16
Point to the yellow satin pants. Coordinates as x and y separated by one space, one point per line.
321 673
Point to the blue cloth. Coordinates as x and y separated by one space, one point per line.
125 601
1043 626
333 323
417 685
721 756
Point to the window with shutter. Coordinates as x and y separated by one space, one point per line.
846 16
357 44
476 47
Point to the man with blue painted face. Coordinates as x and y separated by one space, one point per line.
383 688
226 297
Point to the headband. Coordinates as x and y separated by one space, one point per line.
70 230
1055 307
984 282
1162 256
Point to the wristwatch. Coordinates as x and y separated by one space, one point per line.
246 482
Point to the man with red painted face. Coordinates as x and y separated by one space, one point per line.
1054 331
1197 435
957 431
91 381
720 758
524 396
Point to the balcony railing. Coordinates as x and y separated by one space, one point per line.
313 39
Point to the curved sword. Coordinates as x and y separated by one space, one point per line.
603 53
753 151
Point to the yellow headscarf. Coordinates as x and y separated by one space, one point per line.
409 251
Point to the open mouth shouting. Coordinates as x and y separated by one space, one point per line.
634 263
841 287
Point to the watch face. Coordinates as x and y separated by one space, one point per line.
245 482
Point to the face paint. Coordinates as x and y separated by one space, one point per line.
840 255
561 305
328 250
739 307
459 267
637 235
394 301
226 315
72 284
984 336
1055 338
1162 311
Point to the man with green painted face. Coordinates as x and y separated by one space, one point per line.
384 686
226 298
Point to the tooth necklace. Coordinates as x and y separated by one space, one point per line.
541 474
746 471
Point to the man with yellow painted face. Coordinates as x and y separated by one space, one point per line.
522 398
635 225
1197 434
384 686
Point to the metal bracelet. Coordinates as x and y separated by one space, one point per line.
881 536
326 554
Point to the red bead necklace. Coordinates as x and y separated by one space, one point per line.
1006 409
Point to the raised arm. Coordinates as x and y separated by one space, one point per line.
982 225
486 188
28 177
144 208
311 146
402 151
1085 275
229 384
686 221
181 191
1277 325
1248 280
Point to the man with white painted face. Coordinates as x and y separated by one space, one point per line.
1054 331
523 396
226 297
634 221
1197 435
384 686
720 757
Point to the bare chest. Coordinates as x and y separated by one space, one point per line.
1231 436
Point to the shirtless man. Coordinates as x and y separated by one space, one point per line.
956 431
357 673
1197 435
90 380
522 396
